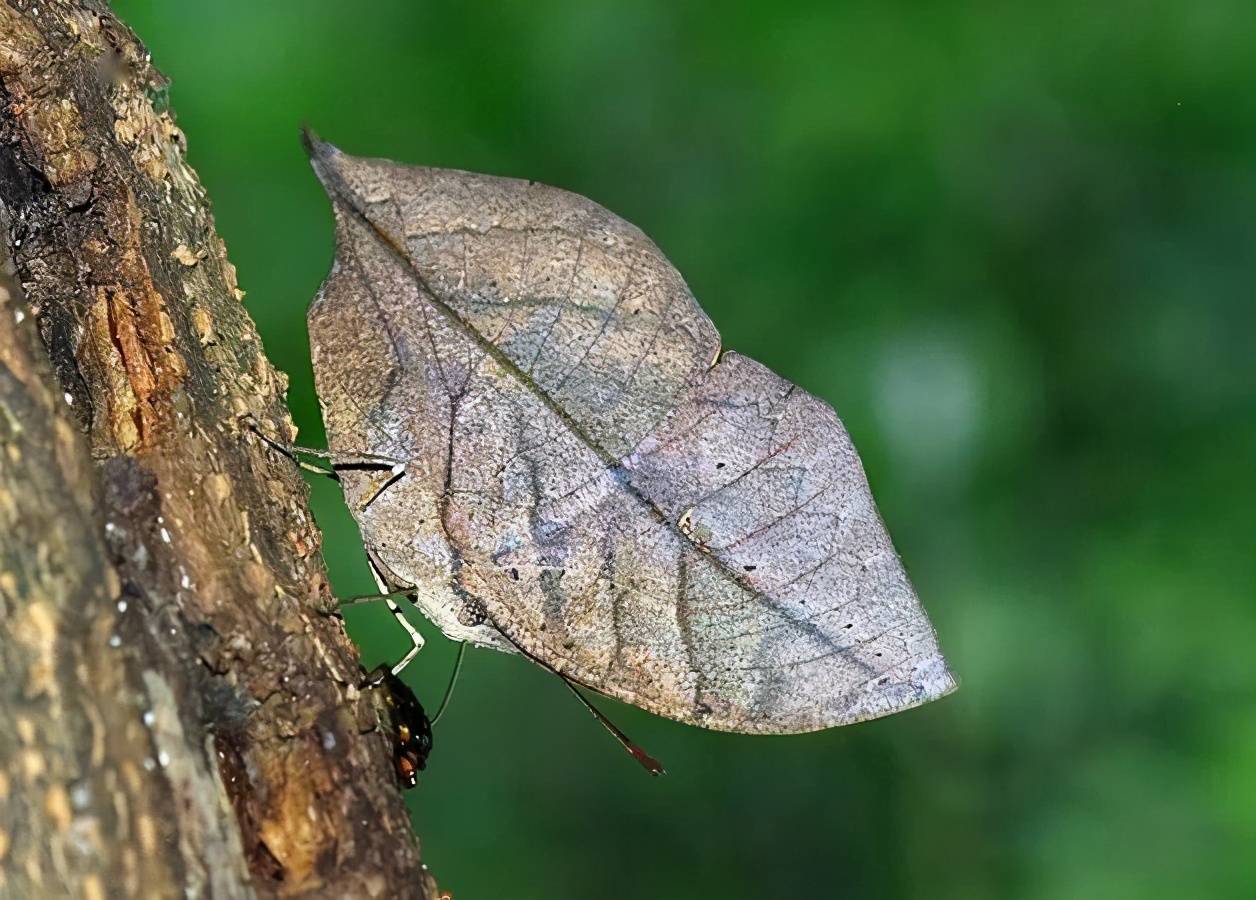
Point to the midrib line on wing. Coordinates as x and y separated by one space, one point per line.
341 192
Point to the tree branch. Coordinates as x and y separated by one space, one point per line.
176 716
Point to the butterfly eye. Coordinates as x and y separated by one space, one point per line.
407 773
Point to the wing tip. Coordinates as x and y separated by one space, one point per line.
933 680
323 155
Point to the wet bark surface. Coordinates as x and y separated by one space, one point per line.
178 714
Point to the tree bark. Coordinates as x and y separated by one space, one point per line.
178 714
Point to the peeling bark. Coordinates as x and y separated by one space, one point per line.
178 716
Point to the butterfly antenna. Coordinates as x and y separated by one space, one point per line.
648 762
453 679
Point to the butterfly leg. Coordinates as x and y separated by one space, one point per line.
358 601
337 461
397 468
394 475
416 639
356 459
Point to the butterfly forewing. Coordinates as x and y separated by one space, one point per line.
589 478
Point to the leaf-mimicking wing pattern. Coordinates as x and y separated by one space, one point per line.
589 477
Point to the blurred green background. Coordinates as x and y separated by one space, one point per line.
1014 245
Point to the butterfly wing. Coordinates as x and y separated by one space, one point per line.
591 479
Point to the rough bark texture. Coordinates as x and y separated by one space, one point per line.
177 717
